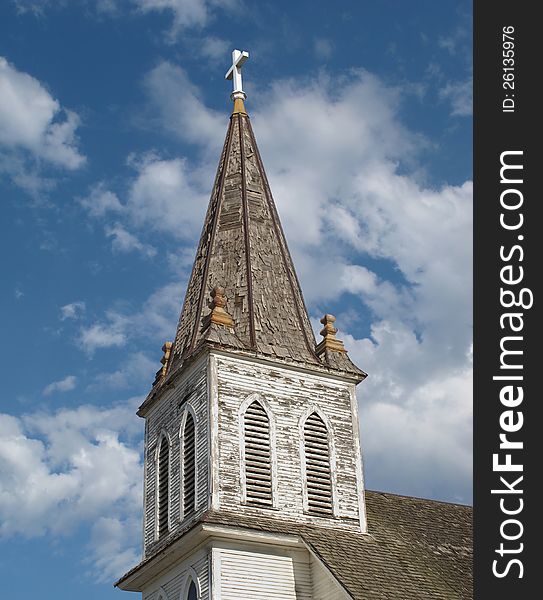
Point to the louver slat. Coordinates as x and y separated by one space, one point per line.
163 476
189 465
317 466
258 481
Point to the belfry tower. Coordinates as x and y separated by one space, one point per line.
252 452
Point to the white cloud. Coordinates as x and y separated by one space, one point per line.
124 241
460 95
166 187
156 319
35 7
416 416
180 109
73 310
64 385
74 466
34 129
160 187
101 201
101 335
114 546
214 48
136 368
184 14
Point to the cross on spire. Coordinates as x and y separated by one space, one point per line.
234 73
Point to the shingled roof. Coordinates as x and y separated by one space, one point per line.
243 250
415 549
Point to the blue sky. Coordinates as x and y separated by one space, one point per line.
112 116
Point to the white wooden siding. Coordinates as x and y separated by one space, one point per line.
166 415
325 587
257 576
173 582
287 393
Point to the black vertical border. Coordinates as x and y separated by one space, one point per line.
496 131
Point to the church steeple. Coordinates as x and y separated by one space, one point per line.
248 417
243 250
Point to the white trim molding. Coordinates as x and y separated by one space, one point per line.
360 484
213 464
216 573
191 577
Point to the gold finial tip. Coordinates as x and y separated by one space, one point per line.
239 106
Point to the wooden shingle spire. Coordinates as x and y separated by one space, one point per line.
243 250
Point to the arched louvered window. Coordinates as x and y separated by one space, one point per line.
192 594
189 465
317 466
258 472
163 486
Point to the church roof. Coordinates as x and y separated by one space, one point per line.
415 548
243 270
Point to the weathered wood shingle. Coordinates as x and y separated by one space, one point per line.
416 549
243 249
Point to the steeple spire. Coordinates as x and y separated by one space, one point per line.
244 260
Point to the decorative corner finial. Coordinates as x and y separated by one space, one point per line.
234 73
328 333
219 316
167 349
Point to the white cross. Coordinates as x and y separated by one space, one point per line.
234 73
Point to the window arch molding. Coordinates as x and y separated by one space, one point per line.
188 410
256 397
191 577
163 436
311 410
